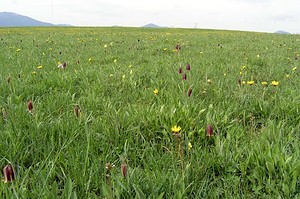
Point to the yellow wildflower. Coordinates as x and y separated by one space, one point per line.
275 83
190 146
295 68
175 129
39 67
264 83
155 91
250 82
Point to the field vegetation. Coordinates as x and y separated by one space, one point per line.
149 113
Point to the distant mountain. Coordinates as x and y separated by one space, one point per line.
10 19
152 25
282 32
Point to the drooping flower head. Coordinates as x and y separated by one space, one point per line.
30 106
188 66
76 111
183 76
190 92
8 173
209 131
179 70
124 170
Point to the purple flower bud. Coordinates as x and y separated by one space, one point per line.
209 131
76 111
179 70
124 170
8 173
190 92
188 67
30 106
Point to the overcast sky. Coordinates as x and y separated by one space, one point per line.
251 15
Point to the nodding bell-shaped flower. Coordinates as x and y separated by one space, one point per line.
76 111
8 173
178 47
179 70
209 131
183 76
124 170
30 106
190 92
188 67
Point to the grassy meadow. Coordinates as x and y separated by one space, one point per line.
149 113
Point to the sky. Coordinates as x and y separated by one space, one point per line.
248 15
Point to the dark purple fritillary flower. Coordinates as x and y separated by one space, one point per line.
188 67
8 173
124 170
179 70
209 131
190 92
76 111
30 106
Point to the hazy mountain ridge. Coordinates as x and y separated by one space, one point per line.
152 25
282 32
10 19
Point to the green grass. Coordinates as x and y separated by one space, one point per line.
111 75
